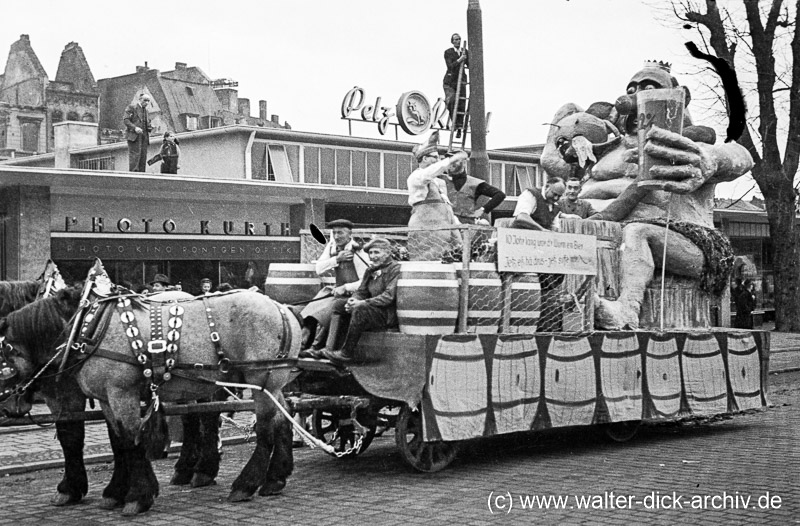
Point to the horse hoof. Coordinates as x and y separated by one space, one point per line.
201 479
239 496
272 487
109 504
180 478
133 508
62 499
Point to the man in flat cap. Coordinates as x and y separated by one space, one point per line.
372 306
431 209
348 262
160 283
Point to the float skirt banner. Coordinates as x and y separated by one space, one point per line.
489 384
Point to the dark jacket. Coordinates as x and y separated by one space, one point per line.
451 76
379 288
136 116
543 215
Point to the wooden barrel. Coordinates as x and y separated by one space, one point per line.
457 387
515 383
663 375
704 379
744 369
609 239
291 282
526 300
484 300
621 377
427 298
570 382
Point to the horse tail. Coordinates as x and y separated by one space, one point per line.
154 433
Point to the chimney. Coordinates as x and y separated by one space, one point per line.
275 119
180 65
262 110
244 107
72 135
142 69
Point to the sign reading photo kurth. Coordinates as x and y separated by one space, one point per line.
545 252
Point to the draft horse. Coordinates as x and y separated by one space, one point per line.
239 337
60 397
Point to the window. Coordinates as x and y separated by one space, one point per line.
327 166
57 116
359 168
374 169
278 167
343 168
73 116
390 170
525 178
191 122
211 122
30 135
311 162
189 91
87 117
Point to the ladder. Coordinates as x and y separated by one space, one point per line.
460 112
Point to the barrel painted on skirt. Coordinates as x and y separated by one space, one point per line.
621 377
744 369
663 375
526 299
292 282
457 387
516 382
570 382
704 375
484 300
427 298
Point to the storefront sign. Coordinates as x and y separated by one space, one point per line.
144 248
413 110
545 252
169 226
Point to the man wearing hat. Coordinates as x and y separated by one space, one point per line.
430 207
159 283
372 306
348 262
205 286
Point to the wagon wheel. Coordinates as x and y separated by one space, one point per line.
326 426
622 431
427 457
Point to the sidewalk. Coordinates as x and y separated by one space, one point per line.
29 448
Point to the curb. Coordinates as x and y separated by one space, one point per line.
92 459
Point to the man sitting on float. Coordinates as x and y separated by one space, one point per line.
680 185
348 262
372 307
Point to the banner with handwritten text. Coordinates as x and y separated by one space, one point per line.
545 252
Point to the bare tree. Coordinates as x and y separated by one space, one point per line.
754 41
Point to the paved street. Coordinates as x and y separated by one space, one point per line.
743 464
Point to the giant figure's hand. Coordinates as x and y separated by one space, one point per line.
688 166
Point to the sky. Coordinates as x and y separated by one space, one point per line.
302 56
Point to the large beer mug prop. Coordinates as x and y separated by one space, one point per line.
657 107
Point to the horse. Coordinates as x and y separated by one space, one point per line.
16 294
253 340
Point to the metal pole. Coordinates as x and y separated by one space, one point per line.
479 159
463 306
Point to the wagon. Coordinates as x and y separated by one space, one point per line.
494 352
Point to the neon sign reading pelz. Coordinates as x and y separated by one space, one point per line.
414 112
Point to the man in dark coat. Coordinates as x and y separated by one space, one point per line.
372 306
453 58
137 132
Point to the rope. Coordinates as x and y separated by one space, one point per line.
307 437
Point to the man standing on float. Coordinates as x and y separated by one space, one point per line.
431 208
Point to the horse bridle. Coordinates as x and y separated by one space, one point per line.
7 371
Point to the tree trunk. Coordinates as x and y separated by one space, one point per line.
779 200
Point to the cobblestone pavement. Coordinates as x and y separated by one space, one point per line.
734 469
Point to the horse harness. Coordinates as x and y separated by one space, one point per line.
158 357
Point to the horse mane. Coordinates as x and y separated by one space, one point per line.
16 294
40 325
